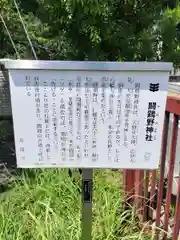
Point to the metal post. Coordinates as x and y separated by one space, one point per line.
87 183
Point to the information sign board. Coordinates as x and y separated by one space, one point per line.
88 114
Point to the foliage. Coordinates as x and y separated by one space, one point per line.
115 30
46 205
170 35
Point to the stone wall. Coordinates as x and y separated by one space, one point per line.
174 79
5 102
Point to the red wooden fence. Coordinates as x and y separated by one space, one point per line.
146 190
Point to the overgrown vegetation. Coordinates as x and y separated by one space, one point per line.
46 204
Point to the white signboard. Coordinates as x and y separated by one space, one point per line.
88 115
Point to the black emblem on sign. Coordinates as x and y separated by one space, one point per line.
154 87
87 190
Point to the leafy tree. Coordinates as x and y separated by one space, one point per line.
115 30
170 35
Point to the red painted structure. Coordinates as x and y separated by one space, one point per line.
136 183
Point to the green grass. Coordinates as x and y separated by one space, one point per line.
46 205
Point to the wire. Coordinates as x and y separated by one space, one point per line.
13 44
26 31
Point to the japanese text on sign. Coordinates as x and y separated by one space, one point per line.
88 119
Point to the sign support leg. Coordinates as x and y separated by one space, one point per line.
87 182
